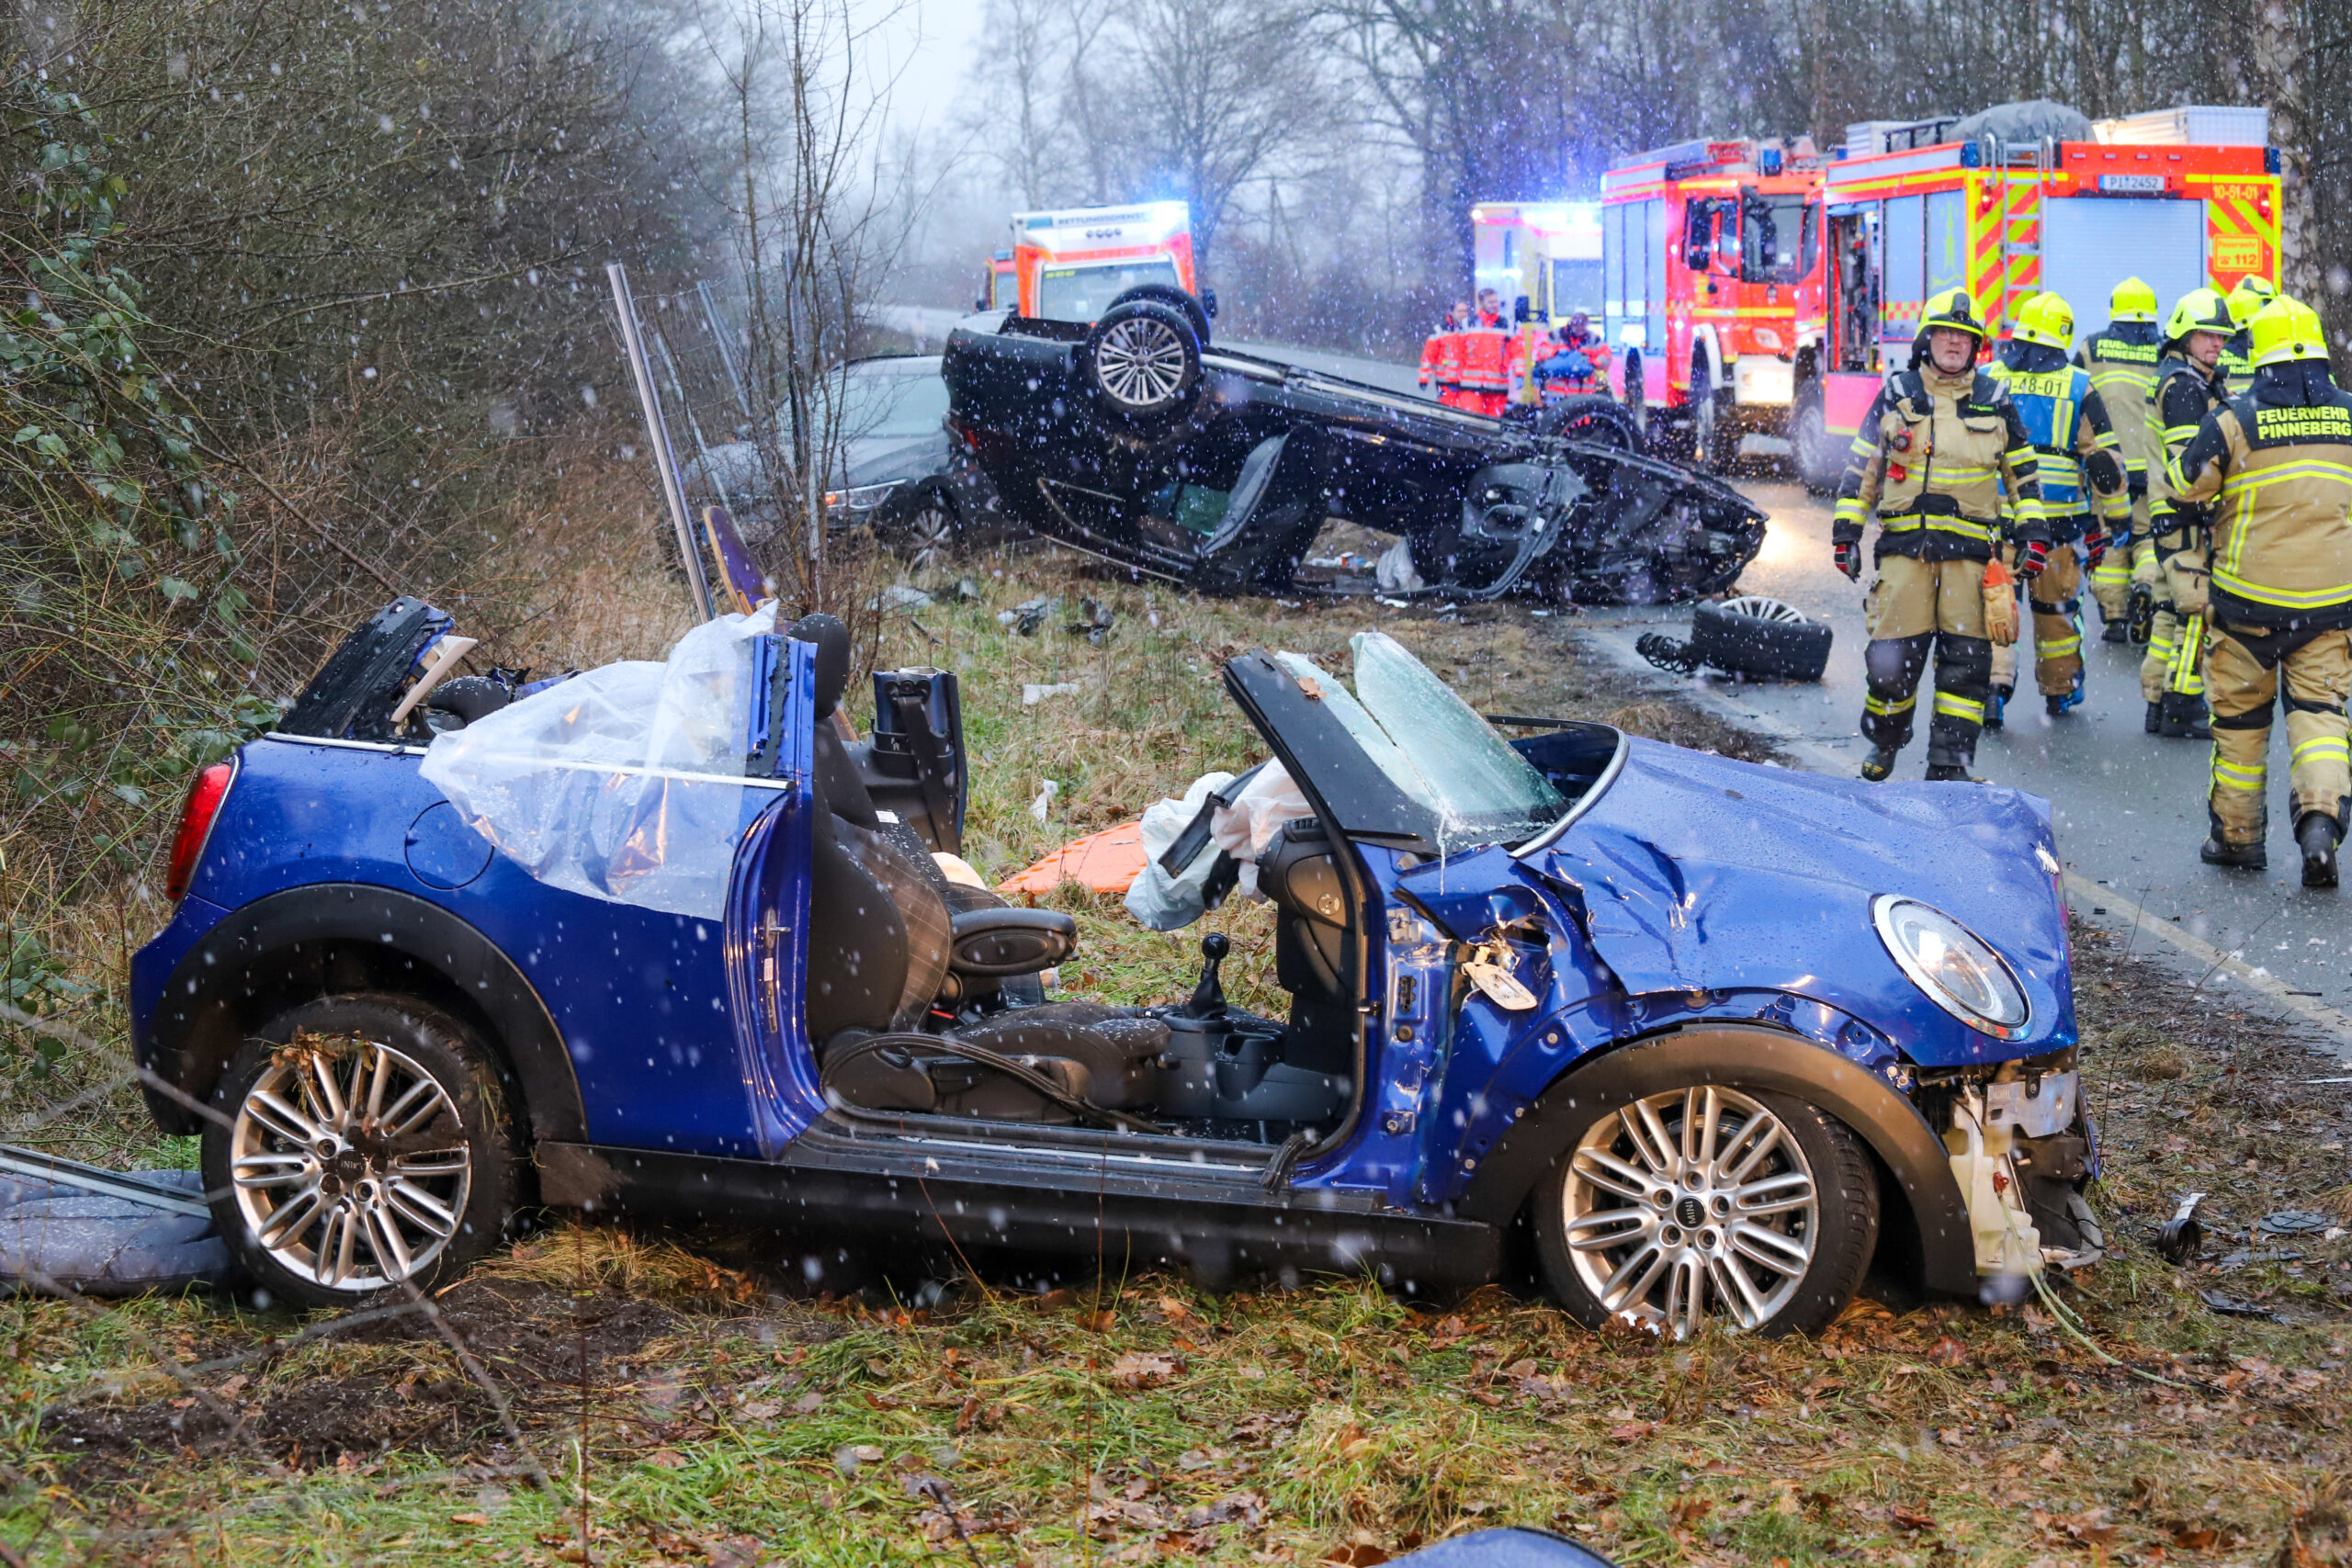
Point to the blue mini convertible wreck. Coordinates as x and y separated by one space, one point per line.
1695 1039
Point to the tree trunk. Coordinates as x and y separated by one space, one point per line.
2281 52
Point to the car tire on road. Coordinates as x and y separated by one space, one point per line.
1143 361
1755 635
365 1150
1676 1205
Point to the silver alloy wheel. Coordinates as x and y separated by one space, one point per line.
1691 1204
929 535
1140 362
349 1163
1758 607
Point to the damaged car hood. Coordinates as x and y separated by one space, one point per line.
1699 872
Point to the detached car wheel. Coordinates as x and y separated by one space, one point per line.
1144 361
1706 1203
1755 636
364 1150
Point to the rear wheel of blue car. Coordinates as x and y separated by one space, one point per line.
1699 1205
363 1150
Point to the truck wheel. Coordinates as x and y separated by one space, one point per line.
1818 460
1692 1203
1637 401
364 1151
1144 360
1755 636
1715 439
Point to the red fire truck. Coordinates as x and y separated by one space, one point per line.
2009 220
1070 264
1711 285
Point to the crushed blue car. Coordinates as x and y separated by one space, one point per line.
666 939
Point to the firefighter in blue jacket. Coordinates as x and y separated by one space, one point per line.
2077 453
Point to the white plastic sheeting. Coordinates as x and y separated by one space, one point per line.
623 783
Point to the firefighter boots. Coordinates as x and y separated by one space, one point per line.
2315 835
2184 716
2237 857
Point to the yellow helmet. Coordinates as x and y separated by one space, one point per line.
1954 309
2286 328
2200 310
2132 300
2253 292
2045 319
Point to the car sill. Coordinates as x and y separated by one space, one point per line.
1584 803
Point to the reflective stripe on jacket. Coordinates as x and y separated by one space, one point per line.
1931 460
2177 407
2122 364
2276 462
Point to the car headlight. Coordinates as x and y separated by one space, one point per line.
1958 970
864 498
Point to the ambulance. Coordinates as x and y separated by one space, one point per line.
1543 259
2179 198
1711 286
1070 265
1000 286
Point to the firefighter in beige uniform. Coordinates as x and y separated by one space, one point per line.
2122 359
2190 385
2276 464
1939 443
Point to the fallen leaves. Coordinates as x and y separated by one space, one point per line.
1142 1370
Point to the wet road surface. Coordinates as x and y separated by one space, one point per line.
2129 808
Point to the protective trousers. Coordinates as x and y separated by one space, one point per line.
2111 579
2172 664
2056 597
1915 608
2242 670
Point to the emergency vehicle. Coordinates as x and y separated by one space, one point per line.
1070 264
1001 288
1543 260
2007 222
1711 284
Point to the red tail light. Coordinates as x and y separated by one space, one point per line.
204 799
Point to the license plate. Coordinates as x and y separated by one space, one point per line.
2132 184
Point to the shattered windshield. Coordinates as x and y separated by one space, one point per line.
1432 746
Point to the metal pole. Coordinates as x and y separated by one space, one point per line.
673 486
726 355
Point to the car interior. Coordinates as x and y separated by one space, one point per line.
923 995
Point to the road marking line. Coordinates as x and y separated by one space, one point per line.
2123 914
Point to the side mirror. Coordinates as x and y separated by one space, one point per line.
1208 302
981 303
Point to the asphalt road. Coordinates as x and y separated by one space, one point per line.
2129 808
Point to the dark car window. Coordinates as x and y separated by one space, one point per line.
1778 238
893 400
1083 293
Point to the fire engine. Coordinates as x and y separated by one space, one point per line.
1711 285
1000 286
1543 260
1071 264
2009 220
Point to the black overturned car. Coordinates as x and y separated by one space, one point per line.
1131 439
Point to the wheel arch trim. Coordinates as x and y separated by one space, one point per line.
201 1015
1748 1057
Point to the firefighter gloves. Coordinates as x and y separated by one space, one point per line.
2094 547
1848 556
2033 556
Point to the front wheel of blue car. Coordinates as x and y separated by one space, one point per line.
1702 1205
361 1150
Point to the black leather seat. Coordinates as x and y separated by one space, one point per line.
885 931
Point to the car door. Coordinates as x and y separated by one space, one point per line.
767 900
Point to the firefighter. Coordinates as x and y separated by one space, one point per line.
2253 292
1940 444
2188 386
2073 442
2276 462
2121 360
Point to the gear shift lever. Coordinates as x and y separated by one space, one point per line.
1208 997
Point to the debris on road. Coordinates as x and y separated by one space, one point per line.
2183 1233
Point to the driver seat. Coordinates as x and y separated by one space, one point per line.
888 937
